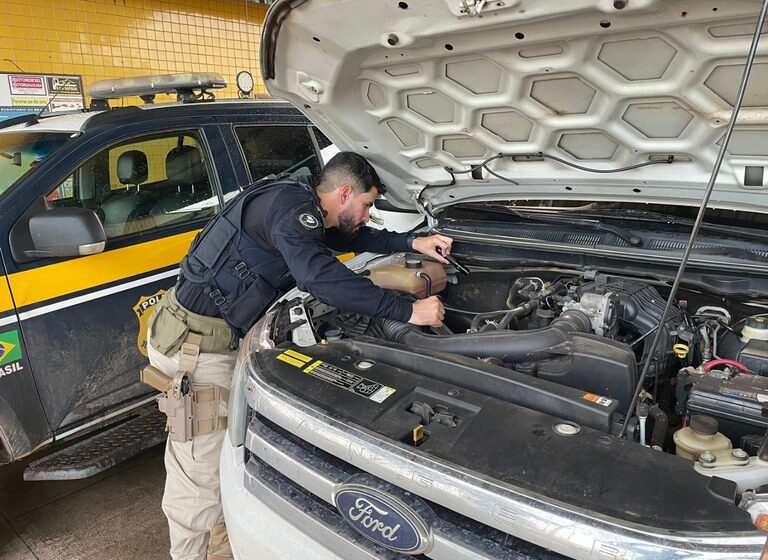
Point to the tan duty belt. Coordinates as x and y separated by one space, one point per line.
172 323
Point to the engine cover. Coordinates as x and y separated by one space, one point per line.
596 365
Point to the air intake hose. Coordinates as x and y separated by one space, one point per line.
510 346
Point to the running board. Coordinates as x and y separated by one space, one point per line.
102 451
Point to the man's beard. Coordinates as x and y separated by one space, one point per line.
347 224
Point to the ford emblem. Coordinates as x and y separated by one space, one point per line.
383 519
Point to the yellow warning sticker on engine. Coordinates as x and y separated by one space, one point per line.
290 360
342 378
298 355
294 358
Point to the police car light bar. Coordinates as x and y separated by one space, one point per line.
146 87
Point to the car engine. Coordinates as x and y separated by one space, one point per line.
590 331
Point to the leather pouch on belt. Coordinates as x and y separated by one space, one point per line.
168 332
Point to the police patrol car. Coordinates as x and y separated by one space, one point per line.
98 208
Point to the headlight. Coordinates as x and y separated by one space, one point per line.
258 338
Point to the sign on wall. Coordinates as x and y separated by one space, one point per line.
21 94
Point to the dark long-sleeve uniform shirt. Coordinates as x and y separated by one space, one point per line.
288 223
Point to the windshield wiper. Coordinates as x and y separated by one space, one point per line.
625 234
734 253
656 217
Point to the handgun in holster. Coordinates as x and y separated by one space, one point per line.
176 403
191 409
156 379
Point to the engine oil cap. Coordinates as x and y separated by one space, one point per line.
364 364
333 334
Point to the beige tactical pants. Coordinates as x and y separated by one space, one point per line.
192 498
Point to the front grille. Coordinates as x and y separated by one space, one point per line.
310 481
259 475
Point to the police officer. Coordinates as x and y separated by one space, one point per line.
272 234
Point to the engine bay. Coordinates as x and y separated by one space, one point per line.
566 338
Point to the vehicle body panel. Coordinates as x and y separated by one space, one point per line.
84 319
421 88
521 102
22 428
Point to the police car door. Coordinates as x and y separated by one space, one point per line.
84 319
22 421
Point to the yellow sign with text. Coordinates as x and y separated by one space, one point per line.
29 101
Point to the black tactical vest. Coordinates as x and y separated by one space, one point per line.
239 275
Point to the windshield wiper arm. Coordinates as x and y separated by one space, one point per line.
654 217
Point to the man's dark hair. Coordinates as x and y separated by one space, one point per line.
352 168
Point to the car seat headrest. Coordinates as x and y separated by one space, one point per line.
132 167
184 164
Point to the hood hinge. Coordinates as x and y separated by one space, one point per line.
472 7
423 210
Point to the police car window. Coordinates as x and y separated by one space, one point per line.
278 149
322 139
20 152
143 185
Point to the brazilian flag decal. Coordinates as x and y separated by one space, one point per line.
10 349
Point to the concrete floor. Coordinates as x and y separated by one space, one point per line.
115 515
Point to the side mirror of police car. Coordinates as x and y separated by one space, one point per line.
66 232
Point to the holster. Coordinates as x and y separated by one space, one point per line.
191 408
176 403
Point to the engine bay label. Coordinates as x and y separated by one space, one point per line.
337 376
597 399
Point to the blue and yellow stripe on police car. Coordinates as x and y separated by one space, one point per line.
55 281
7 316
6 301
41 284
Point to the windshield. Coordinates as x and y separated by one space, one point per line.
22 151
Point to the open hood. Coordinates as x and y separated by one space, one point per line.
420 86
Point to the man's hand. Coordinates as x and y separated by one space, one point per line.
428 245
427 313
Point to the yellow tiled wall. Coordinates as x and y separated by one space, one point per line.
103 39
